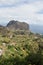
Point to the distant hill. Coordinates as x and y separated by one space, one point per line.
16 25
1 26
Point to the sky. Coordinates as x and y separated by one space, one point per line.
30 11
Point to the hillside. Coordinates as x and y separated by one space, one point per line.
20 47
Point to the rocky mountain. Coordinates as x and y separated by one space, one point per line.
16 25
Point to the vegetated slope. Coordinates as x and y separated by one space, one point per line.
3 29
16 25
21 48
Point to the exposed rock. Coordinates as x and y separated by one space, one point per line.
16 25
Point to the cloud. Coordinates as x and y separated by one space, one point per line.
22 10
9 3
40 12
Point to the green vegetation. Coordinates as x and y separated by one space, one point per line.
21 48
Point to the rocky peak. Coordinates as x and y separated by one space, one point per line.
16 25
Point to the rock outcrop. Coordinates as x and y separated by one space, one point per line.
16 25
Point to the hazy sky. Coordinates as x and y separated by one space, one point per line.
30 11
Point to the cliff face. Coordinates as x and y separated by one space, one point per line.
16 25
